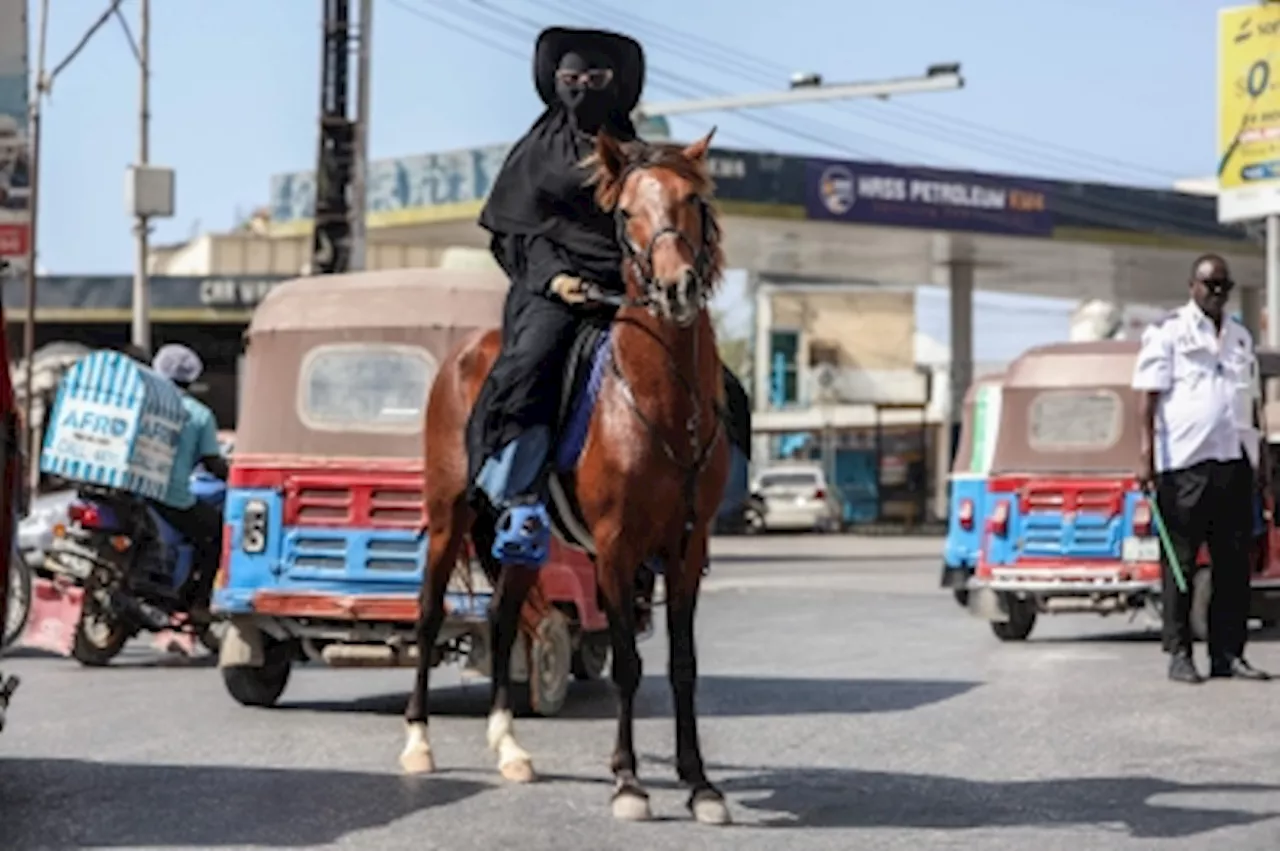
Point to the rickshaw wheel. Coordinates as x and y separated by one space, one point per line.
1022 619
591 657
260 686
18 609
550 664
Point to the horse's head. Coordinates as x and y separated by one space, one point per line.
660 196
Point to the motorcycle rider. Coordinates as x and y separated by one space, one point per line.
199 522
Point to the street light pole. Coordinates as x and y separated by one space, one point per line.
938 79
141 331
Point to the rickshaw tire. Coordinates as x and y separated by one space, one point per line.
591 659
550 668
20 575
260 687
1022 619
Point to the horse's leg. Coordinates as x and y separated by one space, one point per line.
448 528
618 586
504 621
705 801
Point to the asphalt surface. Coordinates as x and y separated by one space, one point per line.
846 702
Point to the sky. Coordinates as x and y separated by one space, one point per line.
1110 90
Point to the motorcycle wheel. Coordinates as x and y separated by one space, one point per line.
18 609
99 637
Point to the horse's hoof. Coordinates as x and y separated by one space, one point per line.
629 806
417 762
517 771
710 809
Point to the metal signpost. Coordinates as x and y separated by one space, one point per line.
1249 131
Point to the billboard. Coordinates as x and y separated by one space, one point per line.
881 194
1248 113
15 175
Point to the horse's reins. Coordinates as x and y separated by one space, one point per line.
641 266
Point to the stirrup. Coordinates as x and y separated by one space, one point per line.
523 535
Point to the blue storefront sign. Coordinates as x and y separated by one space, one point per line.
877 194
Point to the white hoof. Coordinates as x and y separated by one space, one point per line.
629 807
518 770
416 757
711 811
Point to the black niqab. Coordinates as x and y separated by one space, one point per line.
540 190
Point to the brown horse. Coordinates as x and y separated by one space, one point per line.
651 473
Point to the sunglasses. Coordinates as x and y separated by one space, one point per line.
592 78
1217 285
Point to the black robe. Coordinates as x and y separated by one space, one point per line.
545 222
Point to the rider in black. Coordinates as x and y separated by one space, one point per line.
552 239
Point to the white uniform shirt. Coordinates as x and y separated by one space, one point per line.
1207 381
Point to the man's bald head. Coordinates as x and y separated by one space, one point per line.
1211 284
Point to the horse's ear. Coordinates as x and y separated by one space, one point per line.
610 155
698 150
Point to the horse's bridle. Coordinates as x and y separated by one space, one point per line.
641 259
641 262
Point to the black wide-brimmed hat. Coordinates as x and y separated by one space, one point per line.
624 53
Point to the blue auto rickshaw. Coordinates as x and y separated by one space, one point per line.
968 494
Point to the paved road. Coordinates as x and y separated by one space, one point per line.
846 703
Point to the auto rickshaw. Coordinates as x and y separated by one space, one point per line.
967 500
1066 527
325 530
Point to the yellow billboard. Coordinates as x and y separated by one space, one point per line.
1249 112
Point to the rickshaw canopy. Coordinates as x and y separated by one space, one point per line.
979 424
340 365
1069 408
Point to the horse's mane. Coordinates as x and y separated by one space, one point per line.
668 157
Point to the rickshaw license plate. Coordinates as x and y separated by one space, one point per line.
1141 549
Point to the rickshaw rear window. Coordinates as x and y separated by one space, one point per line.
365 387
1075 420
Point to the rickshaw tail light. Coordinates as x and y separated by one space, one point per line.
1142 518
1000 518
966 514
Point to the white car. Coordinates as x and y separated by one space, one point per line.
797 497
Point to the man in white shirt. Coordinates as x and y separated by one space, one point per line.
1200 374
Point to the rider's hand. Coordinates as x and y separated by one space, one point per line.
571 290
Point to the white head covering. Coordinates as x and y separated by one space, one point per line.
177 363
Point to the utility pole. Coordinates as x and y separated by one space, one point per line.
360 172
32 436
141 333
332 237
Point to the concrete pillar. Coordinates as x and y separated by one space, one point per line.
763 294
762 355
954 269
1251 312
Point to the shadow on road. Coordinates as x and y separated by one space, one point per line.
67 803
795 797
719 696
848 798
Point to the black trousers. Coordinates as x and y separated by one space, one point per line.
1210 502
202 525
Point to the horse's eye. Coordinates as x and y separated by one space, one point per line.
692 200
624 214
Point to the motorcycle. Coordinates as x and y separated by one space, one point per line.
127 570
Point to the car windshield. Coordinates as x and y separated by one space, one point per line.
789 480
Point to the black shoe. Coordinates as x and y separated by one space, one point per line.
1183 670
1236 668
